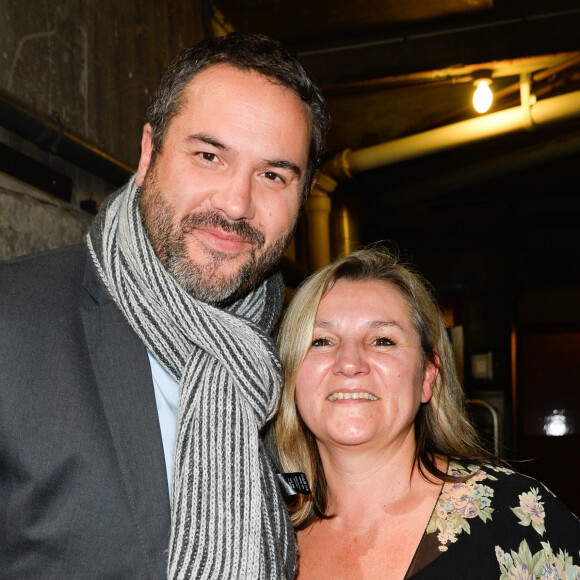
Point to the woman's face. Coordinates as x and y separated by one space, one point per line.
363 378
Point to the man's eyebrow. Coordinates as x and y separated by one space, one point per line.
208 140
282 164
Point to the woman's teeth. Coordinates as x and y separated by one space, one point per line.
338 396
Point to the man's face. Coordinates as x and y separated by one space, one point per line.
220 201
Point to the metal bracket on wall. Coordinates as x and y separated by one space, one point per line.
37 174
47 134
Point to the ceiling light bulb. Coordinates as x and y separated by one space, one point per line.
482 97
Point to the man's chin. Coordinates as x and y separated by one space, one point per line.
221 279
215 282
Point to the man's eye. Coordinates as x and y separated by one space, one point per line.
320 342
383 341
273 176
206 156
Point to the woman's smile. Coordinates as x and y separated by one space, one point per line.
351 396
364 375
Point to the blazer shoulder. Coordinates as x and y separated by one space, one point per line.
78 252
50 278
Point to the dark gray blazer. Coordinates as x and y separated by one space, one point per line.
83 486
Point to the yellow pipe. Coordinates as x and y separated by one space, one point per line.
348 163
317 210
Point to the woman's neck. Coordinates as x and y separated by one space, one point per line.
369 482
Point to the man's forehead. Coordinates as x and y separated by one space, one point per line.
225 70
219 76
224 89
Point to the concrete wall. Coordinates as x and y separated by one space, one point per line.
29 225
91 66
94 63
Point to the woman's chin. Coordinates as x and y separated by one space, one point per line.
353 436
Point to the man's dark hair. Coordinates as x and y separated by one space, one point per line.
250 52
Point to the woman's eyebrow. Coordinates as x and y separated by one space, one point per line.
383 323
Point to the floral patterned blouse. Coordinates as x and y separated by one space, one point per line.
497 524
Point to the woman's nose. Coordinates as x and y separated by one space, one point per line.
351 360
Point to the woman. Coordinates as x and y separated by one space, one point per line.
372 412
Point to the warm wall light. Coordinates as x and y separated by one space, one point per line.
482 97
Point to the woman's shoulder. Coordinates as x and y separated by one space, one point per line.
492 516
493 522
509 488
518 502
494 473
505 481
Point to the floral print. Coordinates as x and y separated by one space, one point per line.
497 524
460 502
500 469
542 565
531 510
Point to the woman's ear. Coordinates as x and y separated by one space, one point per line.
429 377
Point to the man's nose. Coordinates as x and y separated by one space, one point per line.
234 197
351 360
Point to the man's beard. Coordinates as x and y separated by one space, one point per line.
203 280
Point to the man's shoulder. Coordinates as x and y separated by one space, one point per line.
53 263
51 273
63 254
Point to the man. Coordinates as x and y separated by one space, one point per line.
151 342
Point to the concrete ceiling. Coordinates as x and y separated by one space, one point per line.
303 22
391 69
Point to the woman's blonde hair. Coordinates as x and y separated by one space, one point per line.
441 425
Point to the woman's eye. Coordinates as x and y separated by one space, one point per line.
383 341
320 342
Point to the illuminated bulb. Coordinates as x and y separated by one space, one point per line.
482 97
556 424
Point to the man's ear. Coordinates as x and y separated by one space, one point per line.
146 152
304 196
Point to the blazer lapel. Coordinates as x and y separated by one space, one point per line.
123 375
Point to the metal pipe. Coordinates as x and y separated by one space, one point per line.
51 136
344 229
435 33
495 421
317 209
348 163
480 172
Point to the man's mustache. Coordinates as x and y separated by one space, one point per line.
214 219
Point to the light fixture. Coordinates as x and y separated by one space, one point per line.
482 97
557 424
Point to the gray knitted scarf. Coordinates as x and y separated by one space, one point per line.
228 519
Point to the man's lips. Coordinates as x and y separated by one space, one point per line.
225 241
216 230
